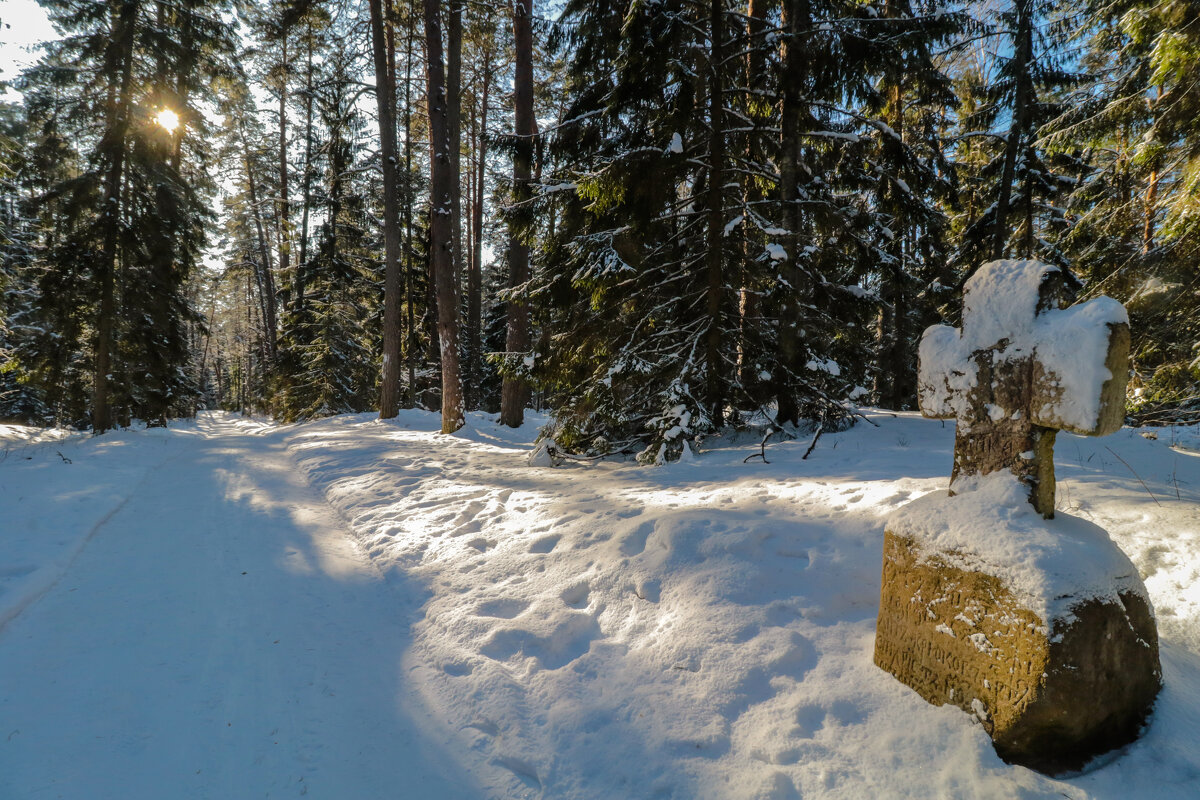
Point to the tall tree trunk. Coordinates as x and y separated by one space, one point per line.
442 181
1022 96
1151 190
410 290
454 34
796 22
714 258
1151 206
120 63
514 393
385 98
752 193
475 274
267 279
300 281
285 210
891 365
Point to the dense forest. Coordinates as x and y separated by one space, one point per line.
655 218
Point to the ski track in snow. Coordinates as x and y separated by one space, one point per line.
217 635
430 617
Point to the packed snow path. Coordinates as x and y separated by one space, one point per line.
429 617
218 635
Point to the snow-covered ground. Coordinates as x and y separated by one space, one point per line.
358 609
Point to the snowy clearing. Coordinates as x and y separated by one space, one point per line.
353 608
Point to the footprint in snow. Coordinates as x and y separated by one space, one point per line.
635 543
501 608
576 596
524 771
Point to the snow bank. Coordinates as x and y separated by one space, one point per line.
705 630
700 630
989 526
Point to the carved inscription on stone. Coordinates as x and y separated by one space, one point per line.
957 637
1051 694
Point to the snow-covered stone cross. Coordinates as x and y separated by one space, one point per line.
1025 365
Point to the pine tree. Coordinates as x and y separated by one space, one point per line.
515 392
441 188
134 215
1026 216
1135 235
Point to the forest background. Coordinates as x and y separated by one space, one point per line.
656 218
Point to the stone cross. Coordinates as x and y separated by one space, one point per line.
1025 365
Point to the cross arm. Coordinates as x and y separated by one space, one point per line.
945 372
1081 369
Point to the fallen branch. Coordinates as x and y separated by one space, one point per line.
762 446
812 445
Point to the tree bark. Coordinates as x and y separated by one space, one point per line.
796 21
300 280
514 393
385 99
475 273
752 193
264 251
714 260
410 315
442 181
891 367
120 63
285 210
454 34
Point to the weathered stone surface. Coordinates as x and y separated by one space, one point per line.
1052 694
1024 365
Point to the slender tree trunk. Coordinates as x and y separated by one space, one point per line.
121 64
442 181
385 97
300 282
514 393
892 360
285 210
714 258
1022 96
1151 205
454 34
752 193
270 323
475 275
410 318
796 21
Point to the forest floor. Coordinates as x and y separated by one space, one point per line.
353 609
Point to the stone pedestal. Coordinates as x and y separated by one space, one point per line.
1055 654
